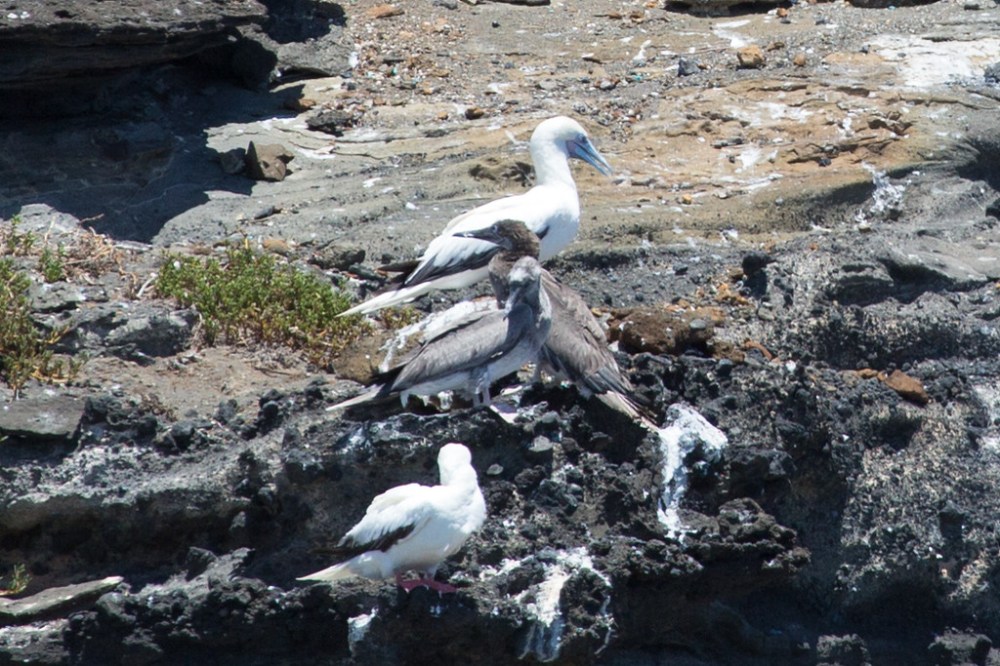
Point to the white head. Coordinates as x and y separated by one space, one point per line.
455 463
569 137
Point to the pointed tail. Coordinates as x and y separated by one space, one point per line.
371 393
626 405
389 299
330 574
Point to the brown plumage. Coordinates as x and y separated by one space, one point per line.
576 348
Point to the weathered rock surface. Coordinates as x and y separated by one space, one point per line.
806 255
55 601
48 41
48 418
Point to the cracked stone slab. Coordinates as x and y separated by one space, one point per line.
44 418
961 266
55 601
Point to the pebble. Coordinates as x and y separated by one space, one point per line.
750 57
799 60
755 261
474 113
906 386
687 67
992 74
383 11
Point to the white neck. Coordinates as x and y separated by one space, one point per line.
464 477
551 165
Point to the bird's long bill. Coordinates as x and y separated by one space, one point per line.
584 150
487 234
515 296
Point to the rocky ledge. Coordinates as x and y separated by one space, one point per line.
799 263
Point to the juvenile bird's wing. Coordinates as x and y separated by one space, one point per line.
436 326
471 346
577 346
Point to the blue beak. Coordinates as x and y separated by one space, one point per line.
584 150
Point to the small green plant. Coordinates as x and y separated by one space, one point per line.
254 298
18 582
52 264
15 243
25 351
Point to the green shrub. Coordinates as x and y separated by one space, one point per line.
251 297
24 349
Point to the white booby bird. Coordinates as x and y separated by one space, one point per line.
576 348
474 353
414 527
551 209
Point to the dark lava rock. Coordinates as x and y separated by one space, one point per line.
332 121
54 601
139 333
860 284
955 648
992 74
842 651
993 209
55 297
338 256
43 419
687 67
48 44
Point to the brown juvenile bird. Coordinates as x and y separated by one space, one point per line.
576 348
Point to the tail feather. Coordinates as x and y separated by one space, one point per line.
330 574
372 393
626 405
389 299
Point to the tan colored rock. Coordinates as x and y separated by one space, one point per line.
750 57
383 11
799 60
908 387
300 104
278 246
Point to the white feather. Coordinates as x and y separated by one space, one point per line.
443 517
551 209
